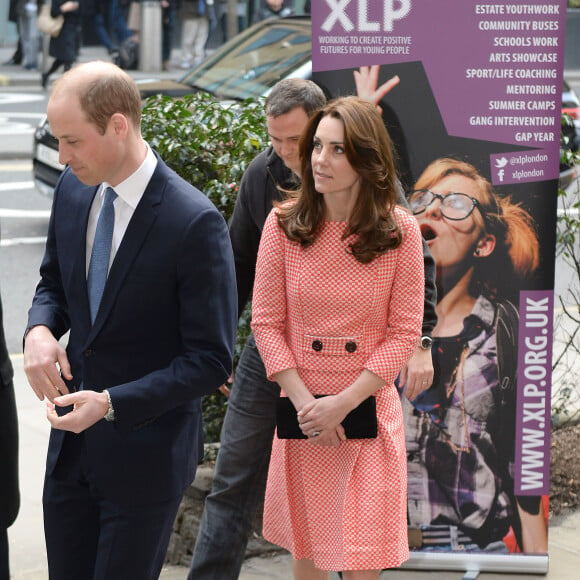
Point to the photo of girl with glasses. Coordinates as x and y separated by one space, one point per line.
460 432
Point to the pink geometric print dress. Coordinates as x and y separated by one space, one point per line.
343 508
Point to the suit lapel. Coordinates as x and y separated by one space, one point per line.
79 270
143 219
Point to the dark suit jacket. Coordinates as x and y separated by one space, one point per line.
162 338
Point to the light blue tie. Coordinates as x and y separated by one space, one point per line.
99 265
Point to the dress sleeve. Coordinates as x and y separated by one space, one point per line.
405 314
269 312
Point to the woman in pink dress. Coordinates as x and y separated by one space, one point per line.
337 311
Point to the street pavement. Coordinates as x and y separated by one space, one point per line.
27 548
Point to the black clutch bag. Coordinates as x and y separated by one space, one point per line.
360 423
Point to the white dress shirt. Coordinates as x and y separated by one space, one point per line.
129 194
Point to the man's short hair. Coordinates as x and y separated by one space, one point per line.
107 95
289 94
103 89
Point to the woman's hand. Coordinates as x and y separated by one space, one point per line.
320 420
329 438
417 375
366 80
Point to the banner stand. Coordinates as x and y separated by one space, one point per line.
475 563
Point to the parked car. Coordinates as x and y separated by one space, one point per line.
248 66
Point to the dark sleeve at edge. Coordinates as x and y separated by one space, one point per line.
429 315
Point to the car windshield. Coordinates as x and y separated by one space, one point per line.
254 61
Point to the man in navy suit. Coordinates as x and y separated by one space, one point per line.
124 397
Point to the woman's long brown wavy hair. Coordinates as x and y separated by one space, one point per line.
368 148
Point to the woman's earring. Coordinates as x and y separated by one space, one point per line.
476 251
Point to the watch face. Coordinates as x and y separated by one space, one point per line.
426 342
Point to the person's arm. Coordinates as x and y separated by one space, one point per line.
429 314
45 361
245 232
269 301
366 82
417 374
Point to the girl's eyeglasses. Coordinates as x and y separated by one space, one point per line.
454 206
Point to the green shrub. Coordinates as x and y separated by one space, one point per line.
209 144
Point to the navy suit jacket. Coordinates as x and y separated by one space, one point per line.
162 338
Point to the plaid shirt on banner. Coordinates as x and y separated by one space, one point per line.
454 472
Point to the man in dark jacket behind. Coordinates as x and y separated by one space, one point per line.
9 492
246 439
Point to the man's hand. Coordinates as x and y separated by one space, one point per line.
417 376
88 408
225 388
44 361
366 80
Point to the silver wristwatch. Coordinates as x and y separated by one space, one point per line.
110 415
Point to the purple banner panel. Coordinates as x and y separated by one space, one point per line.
495 68
532 465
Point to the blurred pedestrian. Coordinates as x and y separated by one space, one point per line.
16 58
221 12
64 47
134 17
27 13
9 492
129 53
273 9
194 30
108 16
168 11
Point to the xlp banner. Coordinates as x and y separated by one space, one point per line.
472 101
